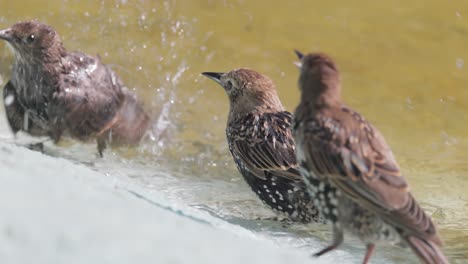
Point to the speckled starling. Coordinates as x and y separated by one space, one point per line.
339 150
53 92
260 140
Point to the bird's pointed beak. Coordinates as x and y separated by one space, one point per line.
6 34
215 76
300 55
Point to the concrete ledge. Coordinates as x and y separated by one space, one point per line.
54 211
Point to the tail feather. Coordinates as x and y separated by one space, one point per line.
417 228
131 122
428 251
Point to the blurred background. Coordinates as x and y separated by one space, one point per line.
402 64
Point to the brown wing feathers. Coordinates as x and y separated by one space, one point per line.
268 148
373 177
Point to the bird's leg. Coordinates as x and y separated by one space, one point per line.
39 146
285 222
337 240
273 218
101 145
369 251
103 139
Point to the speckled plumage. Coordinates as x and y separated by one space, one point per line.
259 138
54 92
338 148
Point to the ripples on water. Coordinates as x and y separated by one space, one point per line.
159 50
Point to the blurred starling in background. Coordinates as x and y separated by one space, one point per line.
339 150
53 92
260 140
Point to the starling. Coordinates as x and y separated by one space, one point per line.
53 92
339 151
260 140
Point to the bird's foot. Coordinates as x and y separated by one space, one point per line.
338 238
285 222
273 218
326 250
36 147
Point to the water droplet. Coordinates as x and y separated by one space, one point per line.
459 62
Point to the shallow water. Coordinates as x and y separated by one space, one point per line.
403 67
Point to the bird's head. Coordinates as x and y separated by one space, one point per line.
31 40
248 90
319 79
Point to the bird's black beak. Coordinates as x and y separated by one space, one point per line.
6 34
300 55
215 76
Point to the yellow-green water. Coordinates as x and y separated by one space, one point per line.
404 66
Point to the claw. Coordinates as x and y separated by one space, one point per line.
337 240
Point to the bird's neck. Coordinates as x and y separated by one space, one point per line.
36 70
267 104
321 93
313 102
44 60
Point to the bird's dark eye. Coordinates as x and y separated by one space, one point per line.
30 39
229 84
